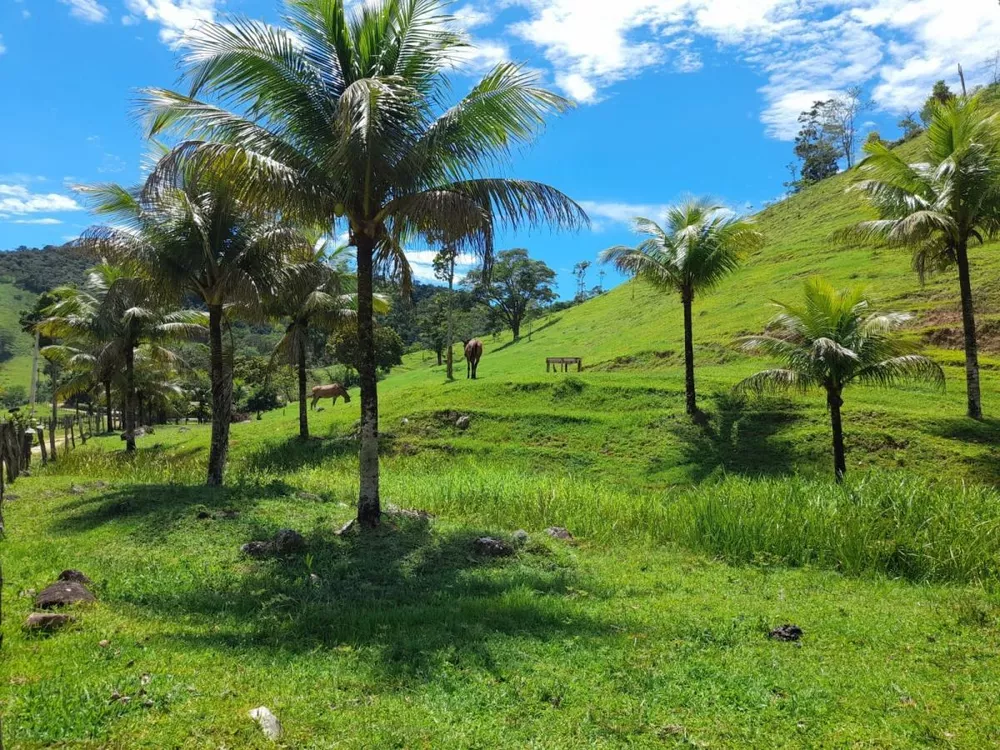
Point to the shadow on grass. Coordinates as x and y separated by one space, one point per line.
295 453
419 601
985 466
155 509
739 436
526 337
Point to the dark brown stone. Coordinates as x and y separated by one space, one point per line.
786 633
492 547
75 575
61 593
558 532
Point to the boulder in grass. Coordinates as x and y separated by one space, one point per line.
61 593
287 541
463 422
520 537
558 532
786 633
257 549
267 722
46 622
72 574
489 546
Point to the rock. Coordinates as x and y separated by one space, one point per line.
404 421
463 422
395 510
62 593
786 633
184 429
77 489
46 621
228 514
75 575
520 537
104 643
288 540
346 527
314 579
558 532
491 547
267 722
310 496
257 549
203 514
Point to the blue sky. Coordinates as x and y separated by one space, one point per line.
676 97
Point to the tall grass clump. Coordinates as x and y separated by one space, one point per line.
886 523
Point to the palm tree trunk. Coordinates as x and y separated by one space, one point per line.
451 341
369 506
222 399
129 399
687 298
303 412
107 401
834 401
55 411
975 405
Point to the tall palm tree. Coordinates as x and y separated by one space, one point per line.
338 115
194 236
830 341
316 294
110 316
940 205
700 245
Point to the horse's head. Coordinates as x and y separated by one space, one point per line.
347 396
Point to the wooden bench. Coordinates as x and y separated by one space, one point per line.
554 363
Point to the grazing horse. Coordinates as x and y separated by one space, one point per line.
334 391
473 353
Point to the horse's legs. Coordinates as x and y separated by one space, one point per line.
315 399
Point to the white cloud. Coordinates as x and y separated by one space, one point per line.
48 221
422 265
480 56
176 17
18 200
90 11
808 49
602 212
2 48
129 20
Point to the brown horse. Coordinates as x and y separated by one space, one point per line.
334 391
473 353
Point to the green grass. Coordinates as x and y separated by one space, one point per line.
17 369
694 540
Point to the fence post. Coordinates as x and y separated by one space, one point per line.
27 439
41 444
67 435
52 439
83 433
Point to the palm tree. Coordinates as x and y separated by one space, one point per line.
111 315
832 340
339 114
194 236
940 205
701 244
316 294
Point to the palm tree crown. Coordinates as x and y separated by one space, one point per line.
700 245
339 114
940 205
832 340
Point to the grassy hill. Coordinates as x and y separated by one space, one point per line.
650 630
17 369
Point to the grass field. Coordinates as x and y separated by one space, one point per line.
693 541
17 369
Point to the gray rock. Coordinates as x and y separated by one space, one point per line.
558 532
404 421
520 537
786 632
463 422
75 575
489 546
257 549
310 496
346 527
267 722
288 540
46 621
61 593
